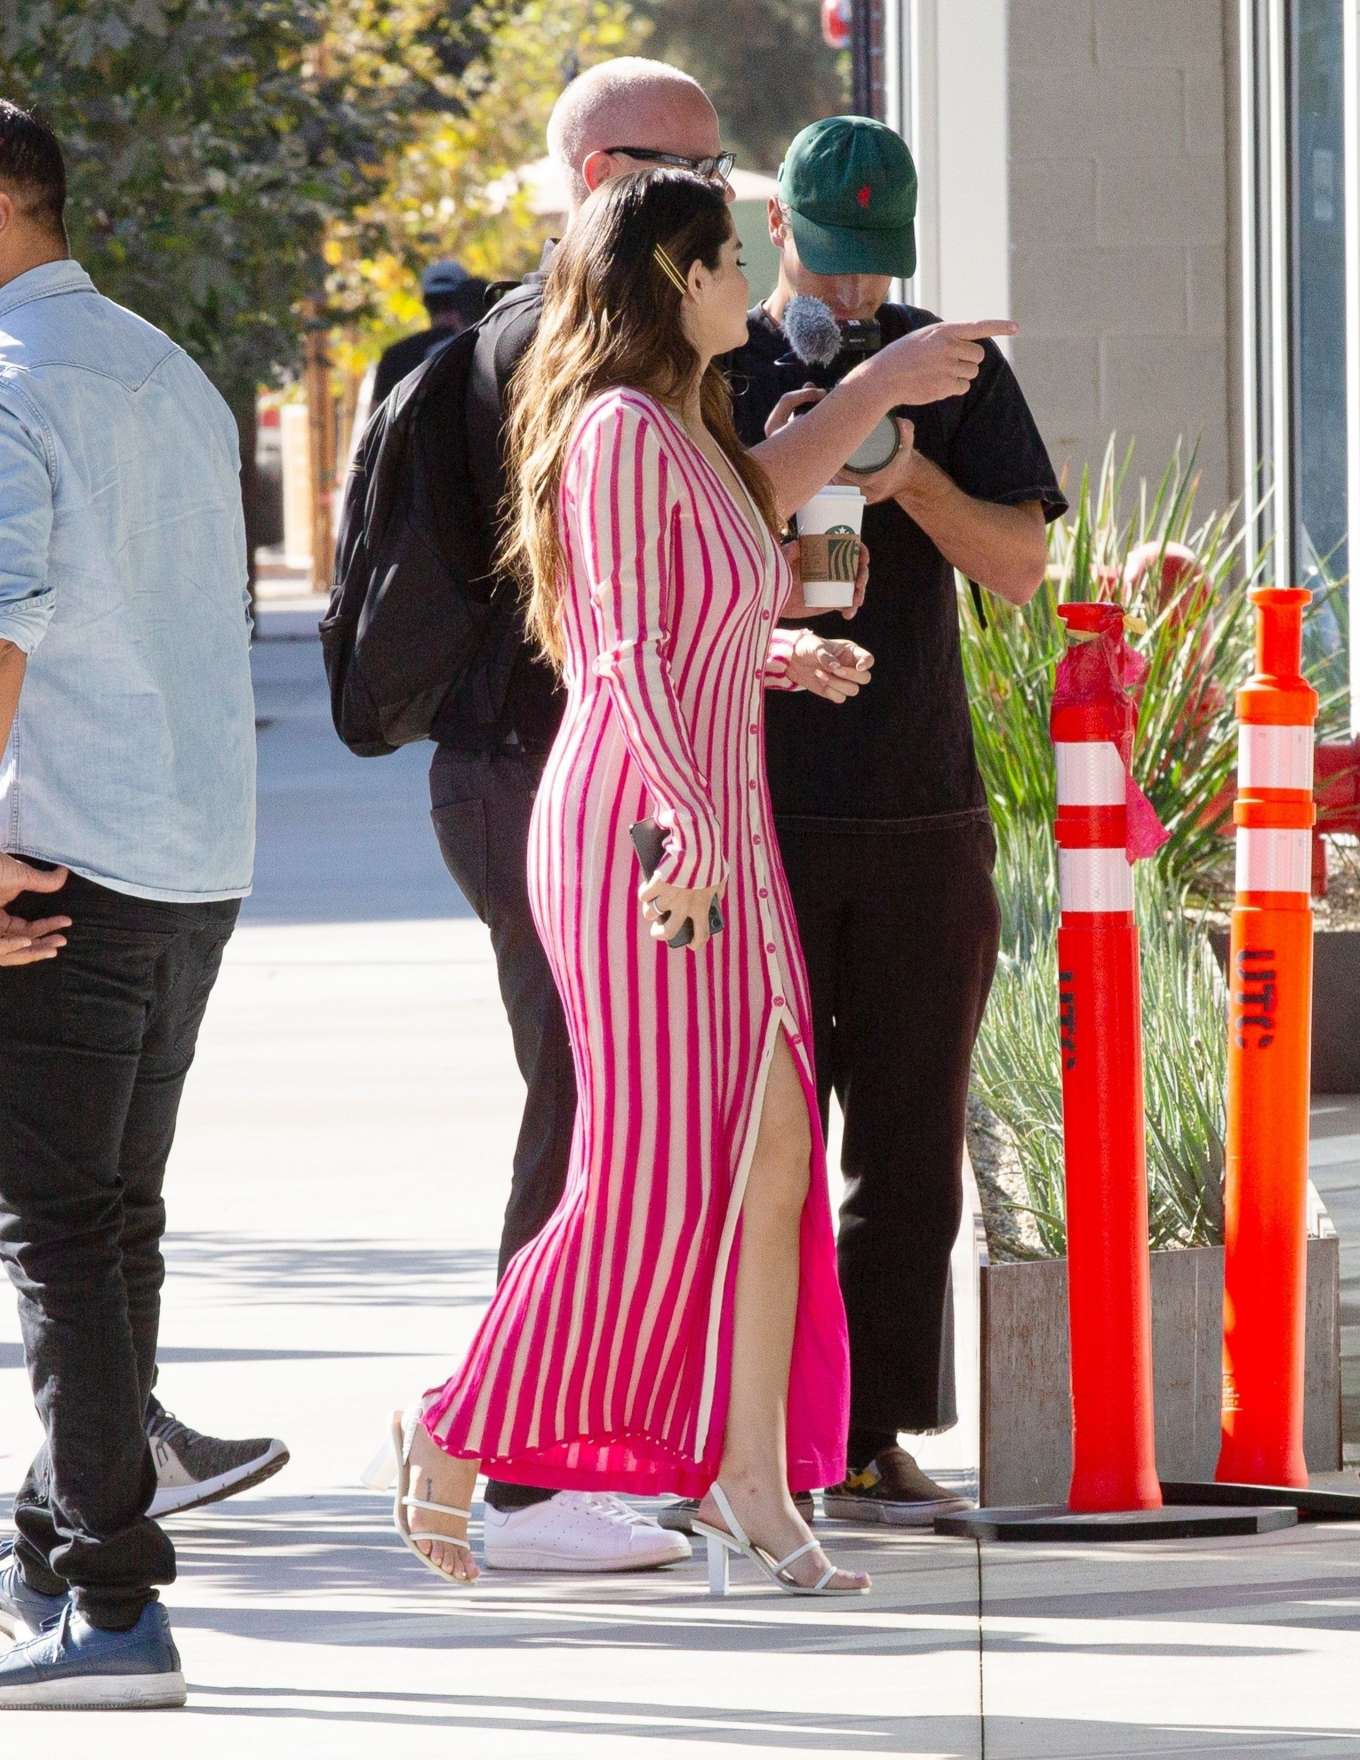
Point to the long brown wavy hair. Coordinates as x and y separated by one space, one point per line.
611 317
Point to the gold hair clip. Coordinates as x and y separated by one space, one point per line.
668 268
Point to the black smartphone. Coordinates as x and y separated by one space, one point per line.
649 840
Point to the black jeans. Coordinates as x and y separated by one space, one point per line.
900 932
480 805
94 1049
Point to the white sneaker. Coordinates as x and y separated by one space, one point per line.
578 1531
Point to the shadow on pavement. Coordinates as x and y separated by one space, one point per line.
12 1355
339 1271
942 1738
1056 1738
828 1732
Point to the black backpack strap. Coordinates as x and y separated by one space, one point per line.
497 291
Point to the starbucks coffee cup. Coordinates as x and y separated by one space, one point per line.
828 546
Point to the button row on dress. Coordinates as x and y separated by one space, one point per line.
763 892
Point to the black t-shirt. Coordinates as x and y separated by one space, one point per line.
903 750
405 356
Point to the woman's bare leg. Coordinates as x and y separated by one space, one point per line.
754 1470
436 1477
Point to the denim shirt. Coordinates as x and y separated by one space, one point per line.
123 578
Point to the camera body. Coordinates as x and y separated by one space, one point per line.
860 337
825 351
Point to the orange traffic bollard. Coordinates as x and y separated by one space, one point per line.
1093 719
1270 985
1270 977
1104 824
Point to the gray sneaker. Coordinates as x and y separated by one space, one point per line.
192 1469
24 1612
679 1516
893 1490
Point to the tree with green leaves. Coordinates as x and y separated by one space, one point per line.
453 190
208 147
241 167
768 71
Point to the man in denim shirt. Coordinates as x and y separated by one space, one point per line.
127 779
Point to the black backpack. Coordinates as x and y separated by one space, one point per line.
412 611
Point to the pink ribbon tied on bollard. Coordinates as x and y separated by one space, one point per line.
1100 671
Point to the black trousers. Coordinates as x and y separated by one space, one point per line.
900 932
94 1049
480 805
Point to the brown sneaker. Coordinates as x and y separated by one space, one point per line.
893 1490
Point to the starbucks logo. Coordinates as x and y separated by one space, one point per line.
842 552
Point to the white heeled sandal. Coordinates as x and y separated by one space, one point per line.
721 1547
391 1465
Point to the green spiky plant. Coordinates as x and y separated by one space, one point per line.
1015 1067
1197 641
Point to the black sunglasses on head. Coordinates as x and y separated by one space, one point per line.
719 166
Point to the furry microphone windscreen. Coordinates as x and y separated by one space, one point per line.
812 330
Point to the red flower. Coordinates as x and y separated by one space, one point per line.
864 197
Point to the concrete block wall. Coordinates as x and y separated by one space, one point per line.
1119 227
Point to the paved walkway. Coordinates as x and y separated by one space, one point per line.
335 1201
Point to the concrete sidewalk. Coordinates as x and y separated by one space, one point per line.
335 1201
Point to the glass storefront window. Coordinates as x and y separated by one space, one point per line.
1318 293
1300 230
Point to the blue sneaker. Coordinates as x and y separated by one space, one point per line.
74 1666
23 1611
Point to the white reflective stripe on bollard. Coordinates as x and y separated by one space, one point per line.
1095 880
1274 757
1090 773
1274 861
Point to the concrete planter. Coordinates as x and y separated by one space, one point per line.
1026 1445
1336 1011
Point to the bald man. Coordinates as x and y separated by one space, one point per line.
495 733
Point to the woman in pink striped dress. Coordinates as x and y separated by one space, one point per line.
678 1321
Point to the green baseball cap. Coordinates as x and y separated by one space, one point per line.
850 187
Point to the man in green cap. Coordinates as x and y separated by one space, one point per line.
882 817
